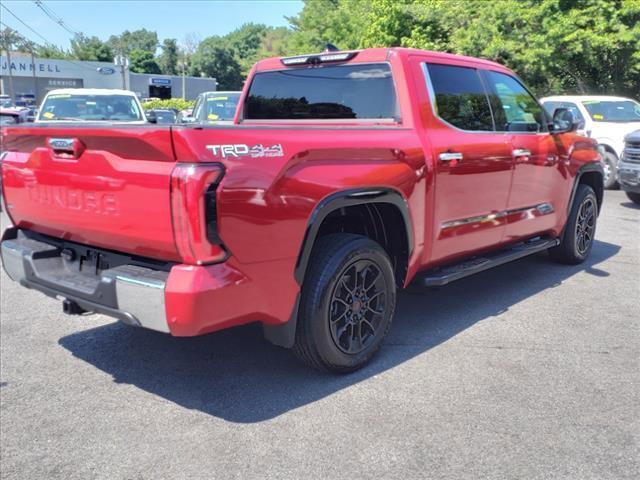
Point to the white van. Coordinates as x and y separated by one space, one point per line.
606 119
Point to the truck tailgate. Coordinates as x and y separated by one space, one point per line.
105 187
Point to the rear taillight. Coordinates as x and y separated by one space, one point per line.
194 212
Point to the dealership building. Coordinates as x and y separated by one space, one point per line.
40 75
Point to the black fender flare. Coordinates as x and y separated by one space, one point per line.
586 168
347 198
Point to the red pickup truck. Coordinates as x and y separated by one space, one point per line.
345 176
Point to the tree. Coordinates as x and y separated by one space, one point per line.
341 22
141 61
168 59
557 46
51 51
127 42
90 49
274 43
244 42
213 59
8 40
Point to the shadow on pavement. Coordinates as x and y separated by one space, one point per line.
632 205
238 376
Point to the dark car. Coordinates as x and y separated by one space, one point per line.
163 115
629 167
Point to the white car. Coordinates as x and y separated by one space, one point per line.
603 118
91 105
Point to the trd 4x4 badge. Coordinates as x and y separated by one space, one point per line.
239 150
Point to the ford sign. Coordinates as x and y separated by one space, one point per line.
106 70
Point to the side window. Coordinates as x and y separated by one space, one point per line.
460 97
517 110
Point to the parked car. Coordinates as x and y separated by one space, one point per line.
344 177
91 105
163 115
629 167
604 118
25 100
215 107
13 115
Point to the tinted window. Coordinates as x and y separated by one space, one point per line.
329 92
551 107
517 110
460 97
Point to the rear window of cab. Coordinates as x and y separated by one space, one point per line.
336 92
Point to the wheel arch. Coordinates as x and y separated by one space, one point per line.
377 213
591 174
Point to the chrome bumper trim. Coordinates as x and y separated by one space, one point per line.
131 293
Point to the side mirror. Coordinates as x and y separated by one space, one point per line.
564 121
151 116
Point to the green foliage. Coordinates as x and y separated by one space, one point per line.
244 43
341 22
557 46
214 59
143 62
175 103
51 51
168 59
274 43
90 49
127 42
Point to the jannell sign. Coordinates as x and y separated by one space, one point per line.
27 66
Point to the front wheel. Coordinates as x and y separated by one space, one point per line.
347 304
634 197
580 229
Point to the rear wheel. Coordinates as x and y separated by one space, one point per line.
610 169
634 197
580 229
347 304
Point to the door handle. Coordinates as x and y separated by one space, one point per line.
521 152
450 156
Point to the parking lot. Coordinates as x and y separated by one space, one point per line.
531 370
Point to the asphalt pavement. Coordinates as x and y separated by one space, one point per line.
530 370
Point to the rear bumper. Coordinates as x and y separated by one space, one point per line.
183 300
131 293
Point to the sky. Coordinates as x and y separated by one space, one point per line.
169 18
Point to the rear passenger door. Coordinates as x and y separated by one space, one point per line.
538 190
472 162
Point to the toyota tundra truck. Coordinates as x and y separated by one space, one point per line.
344 177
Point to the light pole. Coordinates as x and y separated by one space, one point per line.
122 62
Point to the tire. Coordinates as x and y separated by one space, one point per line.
579 232
610 169
634 197
337 331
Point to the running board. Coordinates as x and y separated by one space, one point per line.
449 273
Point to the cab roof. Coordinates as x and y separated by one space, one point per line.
370 55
